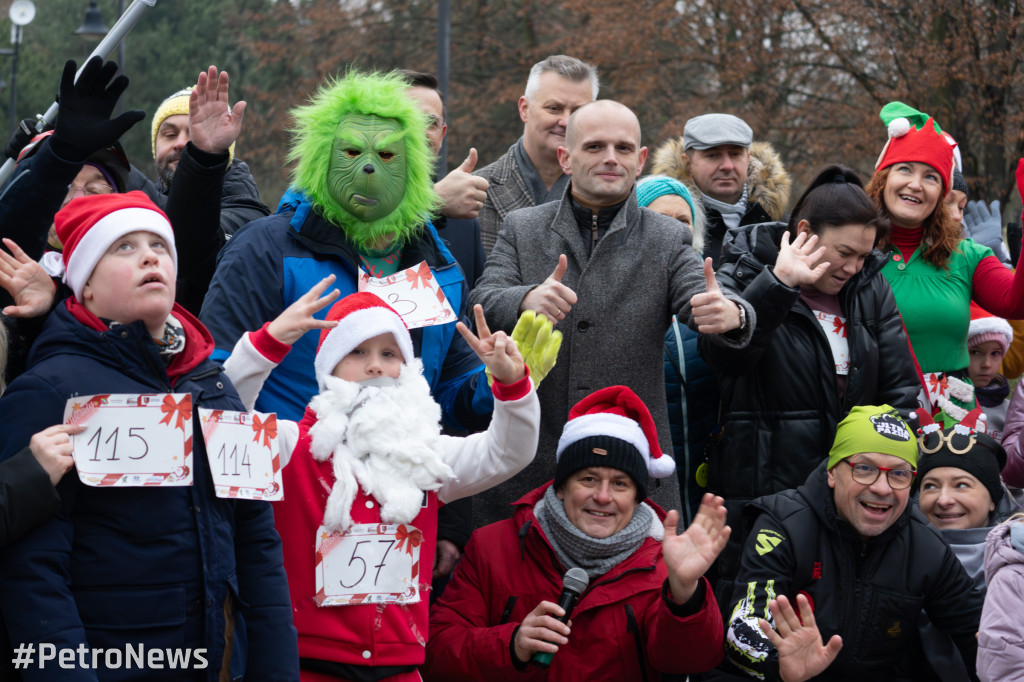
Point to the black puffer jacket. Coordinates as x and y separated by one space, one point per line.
780 405
870 593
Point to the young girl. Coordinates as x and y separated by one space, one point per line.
988 338
369 470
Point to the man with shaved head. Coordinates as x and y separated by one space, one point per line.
610 275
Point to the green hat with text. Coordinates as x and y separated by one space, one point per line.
873 428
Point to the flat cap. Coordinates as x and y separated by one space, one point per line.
712 130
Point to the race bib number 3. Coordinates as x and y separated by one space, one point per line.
244 458
132 440
368 564
414 294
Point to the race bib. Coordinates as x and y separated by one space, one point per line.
242 449
368 564
132 440
414 294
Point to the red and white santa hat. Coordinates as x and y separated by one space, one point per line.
987 327
89 225
612 427
360 316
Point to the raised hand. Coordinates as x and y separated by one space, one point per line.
712 312
462 192
213 123
25 280
801 653
794 266
541 631
497 351
83 123
297 319
551 297
690 555
52 449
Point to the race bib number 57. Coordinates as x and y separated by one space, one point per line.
368 564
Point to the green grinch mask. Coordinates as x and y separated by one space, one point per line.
362 158
367 172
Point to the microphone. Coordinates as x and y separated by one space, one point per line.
574 583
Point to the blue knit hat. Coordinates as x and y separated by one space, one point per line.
653 186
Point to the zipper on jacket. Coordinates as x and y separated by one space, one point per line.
593 232
506 615
634 630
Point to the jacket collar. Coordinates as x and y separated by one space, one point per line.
199 341
564 223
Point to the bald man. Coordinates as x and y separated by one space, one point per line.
610 275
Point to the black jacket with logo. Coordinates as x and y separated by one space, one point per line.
870 593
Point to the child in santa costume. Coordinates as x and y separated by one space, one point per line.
366 477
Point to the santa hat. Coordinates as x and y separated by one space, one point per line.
88 225
612 428
987 327
916 137
360 317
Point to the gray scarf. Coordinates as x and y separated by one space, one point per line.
534 185
731 213
575 549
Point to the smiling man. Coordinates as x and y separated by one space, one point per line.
610 275
738 181
529 174
859 561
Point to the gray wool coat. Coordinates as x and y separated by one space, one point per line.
641 272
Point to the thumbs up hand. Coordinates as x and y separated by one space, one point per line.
463 194
551 298
712 312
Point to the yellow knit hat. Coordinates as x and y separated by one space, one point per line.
173 105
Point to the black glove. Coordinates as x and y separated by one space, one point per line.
83 123
24 133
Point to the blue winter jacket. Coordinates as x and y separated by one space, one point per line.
158 567
273 261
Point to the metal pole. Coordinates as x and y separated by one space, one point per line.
444 31
120 61
16 34
116 34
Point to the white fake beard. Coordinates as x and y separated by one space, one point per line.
383 439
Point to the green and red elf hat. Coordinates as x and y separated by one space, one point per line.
915 136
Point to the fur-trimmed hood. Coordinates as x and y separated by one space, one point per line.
768 183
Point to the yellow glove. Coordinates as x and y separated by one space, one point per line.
538 343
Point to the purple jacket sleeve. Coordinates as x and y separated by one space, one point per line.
1013 472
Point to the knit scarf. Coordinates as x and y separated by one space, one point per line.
731 213
596 556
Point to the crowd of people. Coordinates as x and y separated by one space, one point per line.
548 419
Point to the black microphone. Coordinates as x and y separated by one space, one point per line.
574 583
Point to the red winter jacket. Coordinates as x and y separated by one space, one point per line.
621 622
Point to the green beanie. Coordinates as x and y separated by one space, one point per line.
874 428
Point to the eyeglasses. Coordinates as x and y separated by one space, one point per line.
867 474
90 189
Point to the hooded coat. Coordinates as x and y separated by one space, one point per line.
623 628
165 568
1001 636
768 186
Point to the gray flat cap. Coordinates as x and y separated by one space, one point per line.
712 130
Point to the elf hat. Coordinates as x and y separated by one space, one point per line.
987 327
612 428
873 428
360 316
914 136
88 226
